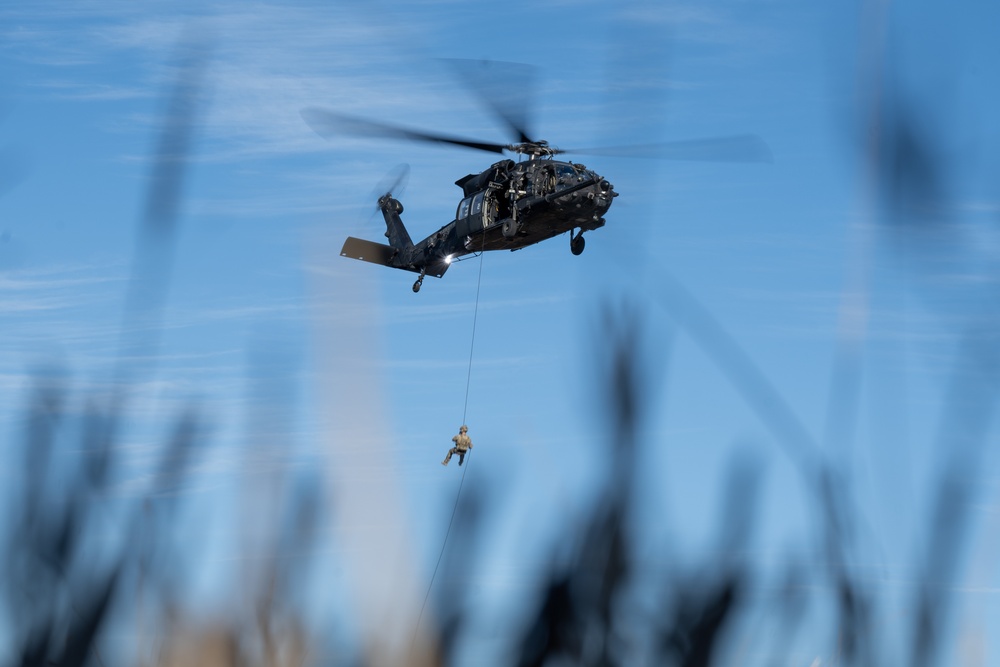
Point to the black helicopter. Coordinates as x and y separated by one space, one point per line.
511 204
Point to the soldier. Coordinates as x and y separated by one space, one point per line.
463 443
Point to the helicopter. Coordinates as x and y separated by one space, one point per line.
513 203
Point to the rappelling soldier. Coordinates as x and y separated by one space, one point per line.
463 443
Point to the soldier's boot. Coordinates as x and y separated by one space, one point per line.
461 458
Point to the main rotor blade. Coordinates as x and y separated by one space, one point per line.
737 148
508 89
329 125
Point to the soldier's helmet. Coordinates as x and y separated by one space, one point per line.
463 429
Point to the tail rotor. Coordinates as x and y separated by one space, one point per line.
392 186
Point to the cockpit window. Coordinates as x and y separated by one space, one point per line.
477 204
565 176
565 171
463 209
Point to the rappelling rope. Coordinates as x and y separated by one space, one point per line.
468 462
472 345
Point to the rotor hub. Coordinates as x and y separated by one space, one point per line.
534 148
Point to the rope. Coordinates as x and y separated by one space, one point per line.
465 409
472 345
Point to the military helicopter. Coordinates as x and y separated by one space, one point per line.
512 204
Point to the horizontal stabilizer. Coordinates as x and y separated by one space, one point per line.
367 251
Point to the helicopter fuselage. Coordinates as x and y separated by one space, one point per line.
509 206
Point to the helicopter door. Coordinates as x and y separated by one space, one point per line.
463 209
477 212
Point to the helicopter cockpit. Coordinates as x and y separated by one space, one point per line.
566 176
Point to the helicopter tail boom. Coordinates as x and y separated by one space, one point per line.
384 255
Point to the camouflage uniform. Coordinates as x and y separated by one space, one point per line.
463 443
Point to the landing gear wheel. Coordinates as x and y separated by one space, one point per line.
420 281
577 243
509 228
416 286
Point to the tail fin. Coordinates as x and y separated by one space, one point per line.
395 231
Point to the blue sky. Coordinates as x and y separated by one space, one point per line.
335 368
